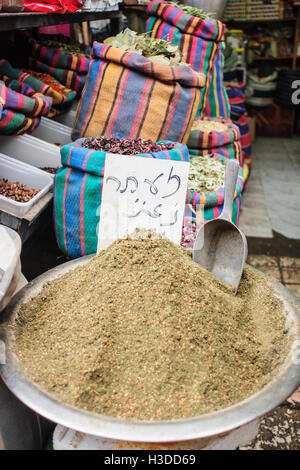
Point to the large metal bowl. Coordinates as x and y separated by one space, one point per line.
213 424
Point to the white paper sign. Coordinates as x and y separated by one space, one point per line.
142 192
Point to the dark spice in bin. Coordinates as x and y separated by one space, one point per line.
125 146
50 169
16 191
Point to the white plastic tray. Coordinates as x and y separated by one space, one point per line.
13 170
30 150
67 118
53 132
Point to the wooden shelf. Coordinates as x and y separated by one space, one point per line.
12 21
253 22
258 59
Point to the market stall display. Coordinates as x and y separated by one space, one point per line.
146 342
133 96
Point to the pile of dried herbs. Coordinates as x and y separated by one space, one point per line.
206 125
71 48
193 11
143 332
157 50
125 146
206 174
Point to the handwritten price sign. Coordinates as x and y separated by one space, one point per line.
142 193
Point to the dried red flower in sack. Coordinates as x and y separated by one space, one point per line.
125 146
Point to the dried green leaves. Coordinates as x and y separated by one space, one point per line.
157 50
206 174
193 11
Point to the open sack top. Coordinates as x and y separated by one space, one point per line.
211 30
211 139
182 74
215 198
92 161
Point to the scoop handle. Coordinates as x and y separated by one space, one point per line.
231 176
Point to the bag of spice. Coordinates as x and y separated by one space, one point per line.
33 105
200 39
69 78
212 135
64 56
20 113
209 204
237 96
218 104
44 84
132 96
78 187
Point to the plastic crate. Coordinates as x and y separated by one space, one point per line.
53 132
12 170
30 150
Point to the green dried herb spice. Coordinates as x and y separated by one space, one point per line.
206 174
157 50
193 11
143 332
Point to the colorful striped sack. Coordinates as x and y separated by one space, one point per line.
15 123
246 140
69 78
34 106
59 99
199 40
226 143
237 97
218 104
60 58
20 113
77 195
129 95
213 202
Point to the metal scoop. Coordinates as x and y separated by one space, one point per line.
220 246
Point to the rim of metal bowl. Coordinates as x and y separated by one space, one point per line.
279 389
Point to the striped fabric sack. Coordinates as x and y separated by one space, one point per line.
77 195
199 40
18 77
60 58
20 113
237 97
218 104
129 95
15 123
246 141
69 78
236 92
209 205
225 142
34 106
